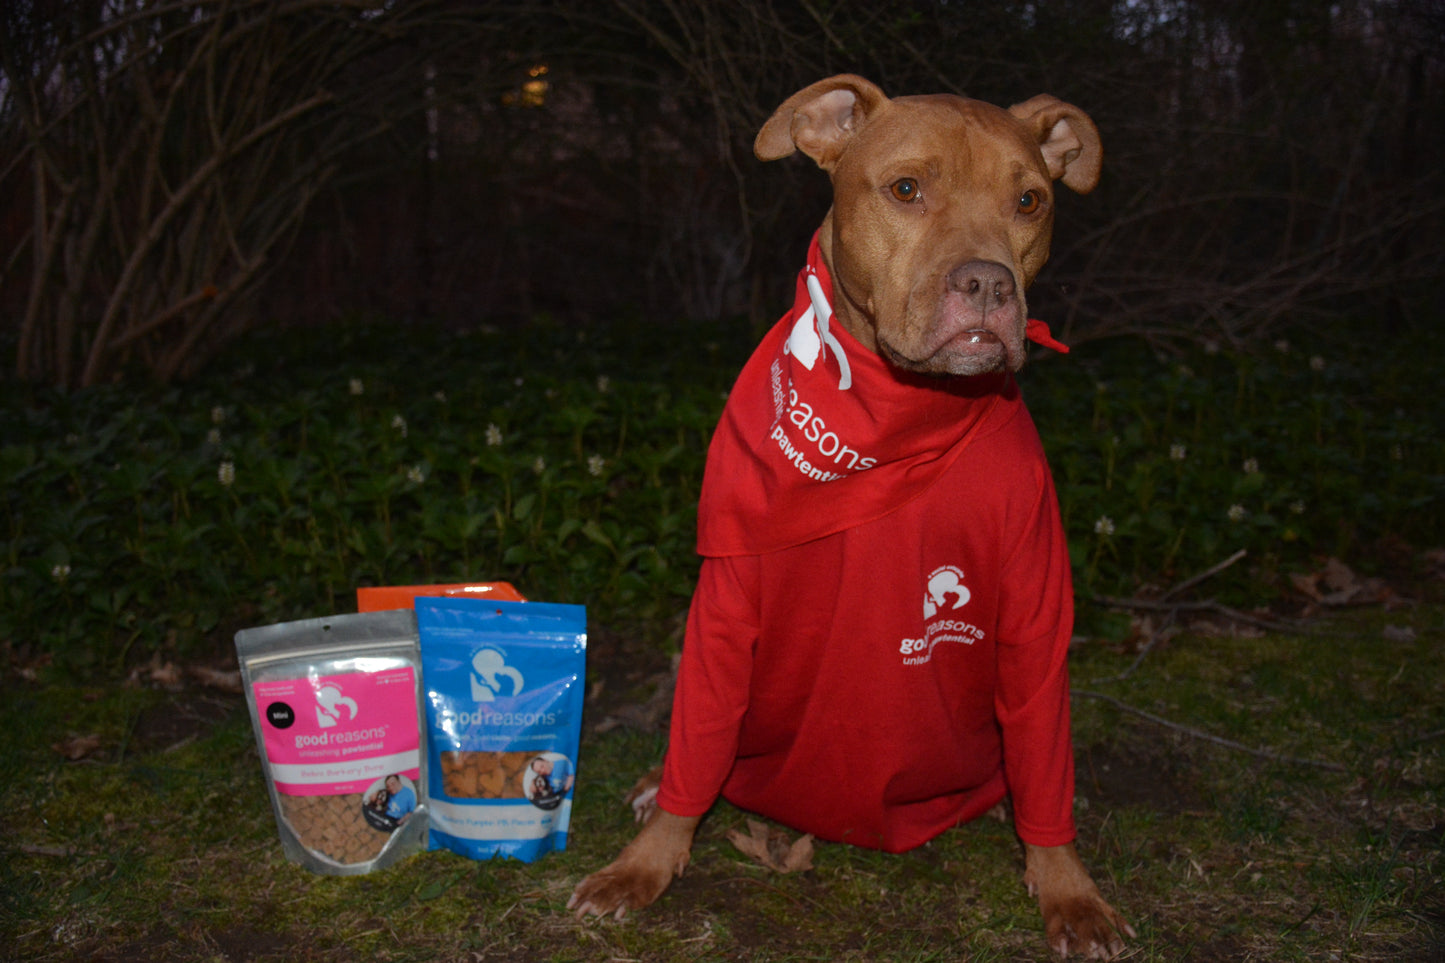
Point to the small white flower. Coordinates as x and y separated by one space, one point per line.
1282 346
226 474
603 383
218 415
1251 466
60 572
517 381
1211 347
213 437
399 423
1297 507
440 396
1237 513
1317 363
595 464
494 436
1177 452
539 466
416 474
1104 526
357 386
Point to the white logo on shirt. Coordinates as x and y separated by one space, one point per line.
943 594
945 582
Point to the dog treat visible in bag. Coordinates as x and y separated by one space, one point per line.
336 706
504 715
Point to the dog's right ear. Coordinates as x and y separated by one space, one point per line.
819 120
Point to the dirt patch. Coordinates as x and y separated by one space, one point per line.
243 945
182 715
237 945
1114 775
629 681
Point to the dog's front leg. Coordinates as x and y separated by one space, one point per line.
1076 915
642 871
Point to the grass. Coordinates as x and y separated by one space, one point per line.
167 852
145 525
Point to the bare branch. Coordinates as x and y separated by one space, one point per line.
1196 733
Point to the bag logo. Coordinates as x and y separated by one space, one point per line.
329 703
489 668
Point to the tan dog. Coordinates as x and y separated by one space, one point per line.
942 214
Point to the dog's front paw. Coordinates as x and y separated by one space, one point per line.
641 872
1086 925
1077 918
615 889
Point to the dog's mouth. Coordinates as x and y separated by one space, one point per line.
977 336
963 352
971 352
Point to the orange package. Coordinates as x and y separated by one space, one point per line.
378 597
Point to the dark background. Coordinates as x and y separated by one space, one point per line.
172 176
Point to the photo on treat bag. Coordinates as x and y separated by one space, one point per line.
336 707
504 686
389 802
547 779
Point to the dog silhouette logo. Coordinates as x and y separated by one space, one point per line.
333 708
944 584
489 669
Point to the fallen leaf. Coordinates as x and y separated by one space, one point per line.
1307 585
1398 633
226 681
167 674
77 747
1339 577
770 847
1435 562
1337 584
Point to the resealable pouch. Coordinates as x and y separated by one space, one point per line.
336 705
504 687
374 598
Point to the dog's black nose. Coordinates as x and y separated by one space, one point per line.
987 284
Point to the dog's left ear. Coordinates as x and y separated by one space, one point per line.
1068 139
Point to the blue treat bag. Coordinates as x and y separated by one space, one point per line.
504 688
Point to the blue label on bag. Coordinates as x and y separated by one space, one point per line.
504 712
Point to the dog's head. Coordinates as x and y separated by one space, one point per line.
942 213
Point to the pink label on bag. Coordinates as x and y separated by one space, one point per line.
328 735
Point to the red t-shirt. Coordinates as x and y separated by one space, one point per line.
894 661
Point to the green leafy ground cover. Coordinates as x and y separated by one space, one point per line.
142 527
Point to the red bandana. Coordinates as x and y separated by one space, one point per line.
820 434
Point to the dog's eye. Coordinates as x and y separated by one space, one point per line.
1030 202
905 189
